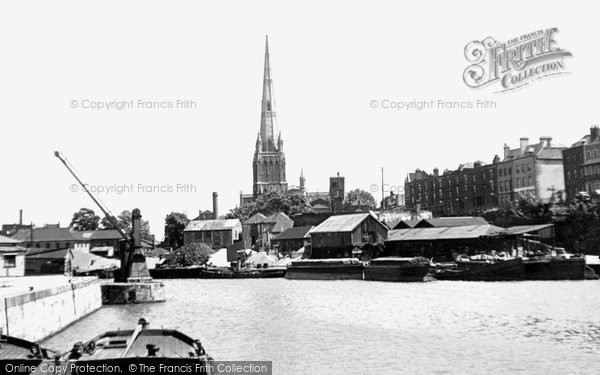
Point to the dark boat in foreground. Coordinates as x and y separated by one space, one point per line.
325 269
169 351
397 269
22 355
554 268
244 273
475 270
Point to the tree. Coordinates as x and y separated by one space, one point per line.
194 254
124 222
360 197
85 219
175 223
271 202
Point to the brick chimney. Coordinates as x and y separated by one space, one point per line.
524 143
21 216
216 205
436 172
506 149
594 133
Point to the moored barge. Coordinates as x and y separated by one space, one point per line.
397 269
325 269
555 268
499 270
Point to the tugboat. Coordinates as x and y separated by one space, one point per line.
22 355
397 269
168 351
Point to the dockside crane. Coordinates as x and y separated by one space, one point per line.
132 242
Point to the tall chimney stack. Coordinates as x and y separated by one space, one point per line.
216 205
524 143
21 216
506 149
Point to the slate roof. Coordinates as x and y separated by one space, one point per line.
49 234
294 233
103 234
208 225
443 233
342 223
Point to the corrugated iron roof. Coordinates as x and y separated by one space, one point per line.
204 225
405 224
443 233
342 223
521 229
294 233
457 221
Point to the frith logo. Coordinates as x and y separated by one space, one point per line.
515 63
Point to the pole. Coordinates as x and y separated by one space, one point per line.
382 192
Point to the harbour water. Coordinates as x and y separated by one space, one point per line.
340 327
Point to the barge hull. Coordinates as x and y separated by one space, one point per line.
396 273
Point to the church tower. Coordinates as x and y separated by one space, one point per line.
268 164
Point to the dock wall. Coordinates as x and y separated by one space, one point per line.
38 314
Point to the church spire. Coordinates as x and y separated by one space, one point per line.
268 122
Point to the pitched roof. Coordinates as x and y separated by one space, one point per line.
7 240
12 249
257 218
458 221
404 224
522 229
443 233
342 223
46 254
48 234
294 233
277 217
102 234
204 225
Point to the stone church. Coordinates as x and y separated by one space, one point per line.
268 164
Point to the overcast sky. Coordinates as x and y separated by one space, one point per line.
328 62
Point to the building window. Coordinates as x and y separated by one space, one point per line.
500 172
529 166
509 170
530 181
10 261
517 169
